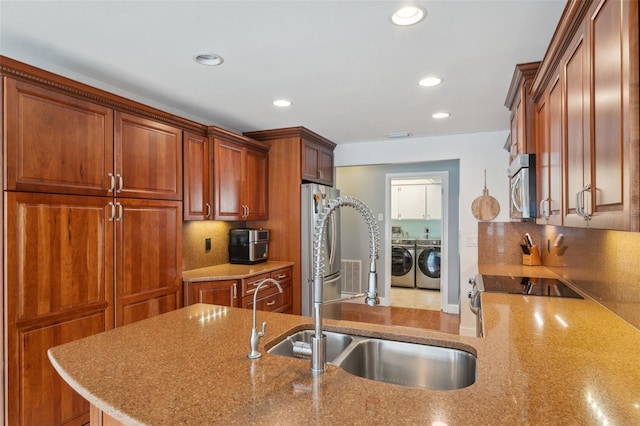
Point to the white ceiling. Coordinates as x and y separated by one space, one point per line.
351 75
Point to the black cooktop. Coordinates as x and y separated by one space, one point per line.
533 286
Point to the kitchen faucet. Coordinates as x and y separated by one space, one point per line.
318 347
255 334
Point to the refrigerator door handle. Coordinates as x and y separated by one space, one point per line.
334 279
332 248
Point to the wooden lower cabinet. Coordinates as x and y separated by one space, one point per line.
240 293
65 258
223 292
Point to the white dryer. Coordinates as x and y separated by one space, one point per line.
428 264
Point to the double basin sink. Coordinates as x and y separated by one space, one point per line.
401 363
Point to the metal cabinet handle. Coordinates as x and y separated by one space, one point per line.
113 212
120 184
546 213
273 302
113 182
120 211
579 202
208 210
281 276
235 291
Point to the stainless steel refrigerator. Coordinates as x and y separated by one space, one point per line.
314 198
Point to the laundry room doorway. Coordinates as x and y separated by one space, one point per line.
418 228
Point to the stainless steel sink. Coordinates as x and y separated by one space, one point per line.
336 344
401 363
410 364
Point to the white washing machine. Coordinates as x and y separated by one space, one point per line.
428 264
403 271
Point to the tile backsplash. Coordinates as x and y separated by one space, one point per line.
194 233
604 264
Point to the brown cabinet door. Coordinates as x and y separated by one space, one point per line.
148 259
325 168
224 292
610 113
549 154
577 171
310 164
227 168
148 158
197 204
255 184
56 143
59 281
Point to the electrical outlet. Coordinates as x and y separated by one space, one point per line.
207 244
427 229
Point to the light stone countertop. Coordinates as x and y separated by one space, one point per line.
228 271
542 361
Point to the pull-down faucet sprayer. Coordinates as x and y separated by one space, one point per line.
318 340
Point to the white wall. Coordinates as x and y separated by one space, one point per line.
476 152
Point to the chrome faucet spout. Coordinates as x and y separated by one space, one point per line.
318 341
255 334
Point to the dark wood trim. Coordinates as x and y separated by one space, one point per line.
570 21
21 71
522 73
220 133
288 132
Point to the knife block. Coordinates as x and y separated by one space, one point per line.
532 259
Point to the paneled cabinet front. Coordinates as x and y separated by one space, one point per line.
59 287
240 183
62 144
223 292
317 163
197 190
587 118
61 280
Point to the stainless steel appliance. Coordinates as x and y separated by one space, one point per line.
522 177
248 246
314 198
403 264
428 264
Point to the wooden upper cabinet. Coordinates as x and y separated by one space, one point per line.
520 103
54 142
317 163
240 180
197 191
587 95
148 158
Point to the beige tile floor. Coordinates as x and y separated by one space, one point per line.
416 298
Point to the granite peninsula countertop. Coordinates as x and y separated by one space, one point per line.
542 361
229 271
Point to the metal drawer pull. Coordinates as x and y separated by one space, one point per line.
282 276
273 302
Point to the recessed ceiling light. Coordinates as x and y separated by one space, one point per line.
409 15
282 103
430 81
209 59
439 115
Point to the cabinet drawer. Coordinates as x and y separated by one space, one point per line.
282 275
269 303
249 284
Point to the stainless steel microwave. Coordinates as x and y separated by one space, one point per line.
248 246
522 178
